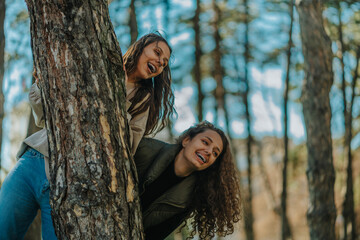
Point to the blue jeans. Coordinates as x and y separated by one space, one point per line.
24 191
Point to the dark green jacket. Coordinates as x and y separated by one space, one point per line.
152 158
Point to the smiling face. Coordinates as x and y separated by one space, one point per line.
201 151
152 61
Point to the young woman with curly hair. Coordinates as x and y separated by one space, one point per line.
195 178
149 105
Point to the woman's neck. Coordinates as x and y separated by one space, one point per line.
181 166
131 78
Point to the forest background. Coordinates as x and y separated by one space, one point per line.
238 64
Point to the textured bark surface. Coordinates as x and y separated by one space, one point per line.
79 65
2 56
317 114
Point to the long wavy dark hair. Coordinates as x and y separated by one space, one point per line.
216 203
161 100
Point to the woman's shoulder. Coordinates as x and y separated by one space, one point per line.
149 146
146 153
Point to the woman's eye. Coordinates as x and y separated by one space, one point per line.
157 53
215 154
205 142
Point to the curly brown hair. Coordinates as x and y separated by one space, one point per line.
161 100
216 204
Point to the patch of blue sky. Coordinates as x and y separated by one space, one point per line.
186 117
183 3
266 115
269 77
331 13
337 108
17 72
238 128
180 38
296 123
208 84
268 25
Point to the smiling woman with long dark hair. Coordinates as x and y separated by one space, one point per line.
195 178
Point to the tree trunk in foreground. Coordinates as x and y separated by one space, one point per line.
92 175
317 114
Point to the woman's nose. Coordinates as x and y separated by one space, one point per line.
161 62
207 152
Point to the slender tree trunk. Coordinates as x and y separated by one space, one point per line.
348 204
217 71
347 146
133 22
92 175
197 66
2 69
317 114
285 226
249 218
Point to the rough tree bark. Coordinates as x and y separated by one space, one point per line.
285 226
92 175
2 69
317 114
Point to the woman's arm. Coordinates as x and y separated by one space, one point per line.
36 105
137 126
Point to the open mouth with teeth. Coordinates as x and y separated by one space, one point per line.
152 68
201 157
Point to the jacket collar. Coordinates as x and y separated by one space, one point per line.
165 156
180 194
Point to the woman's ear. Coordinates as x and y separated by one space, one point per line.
185 141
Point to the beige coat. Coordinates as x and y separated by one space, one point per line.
39 141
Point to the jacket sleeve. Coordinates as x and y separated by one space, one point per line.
137 126
36 105
162 230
